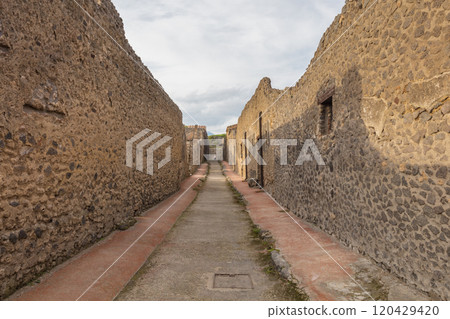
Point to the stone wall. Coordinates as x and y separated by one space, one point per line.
231 145
70 100
384 189
195 132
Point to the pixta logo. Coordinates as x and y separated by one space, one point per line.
308 153
148 144
216 143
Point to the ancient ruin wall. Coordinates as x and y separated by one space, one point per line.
195 132
70 98
231 145
384 189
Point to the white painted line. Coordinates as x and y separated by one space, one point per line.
126 250
141 65
314 240
309 68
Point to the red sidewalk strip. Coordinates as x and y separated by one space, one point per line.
314 269
70 280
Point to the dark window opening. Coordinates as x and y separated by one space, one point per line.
326 116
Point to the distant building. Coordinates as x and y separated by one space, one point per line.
230 149
193 133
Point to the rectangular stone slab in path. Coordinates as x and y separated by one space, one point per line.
326 272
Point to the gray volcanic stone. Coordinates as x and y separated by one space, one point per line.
442 172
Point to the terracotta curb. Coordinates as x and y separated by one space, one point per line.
70 280
310 265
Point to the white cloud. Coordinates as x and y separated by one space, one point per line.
210 55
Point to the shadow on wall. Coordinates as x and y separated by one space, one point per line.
396 214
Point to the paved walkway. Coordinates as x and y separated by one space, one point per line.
83 277
210 254
320 275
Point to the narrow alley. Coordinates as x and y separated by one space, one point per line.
210 254
218 240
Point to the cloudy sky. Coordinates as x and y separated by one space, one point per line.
209 55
